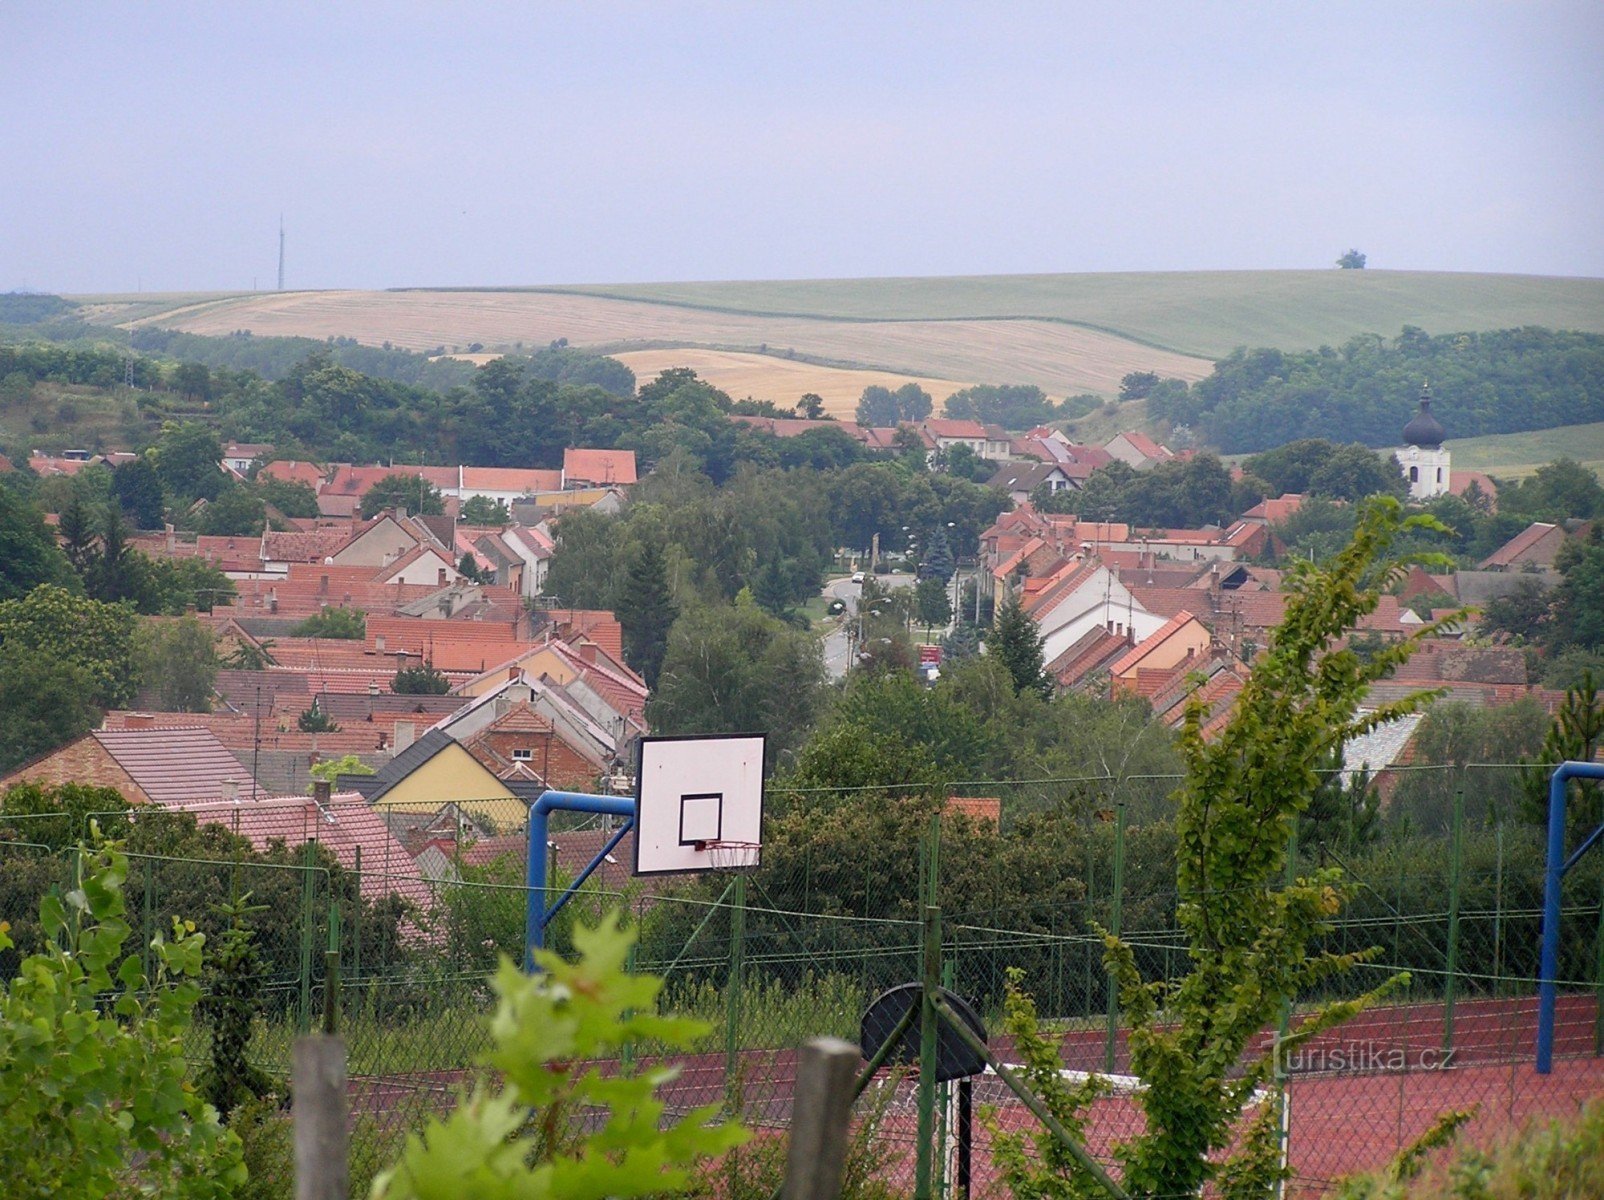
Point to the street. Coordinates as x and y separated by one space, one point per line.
837 643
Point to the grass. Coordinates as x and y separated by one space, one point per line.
56 417
1206 313
1514 455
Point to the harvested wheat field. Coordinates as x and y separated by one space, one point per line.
1060 359
783 381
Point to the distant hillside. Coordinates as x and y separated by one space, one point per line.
1206 313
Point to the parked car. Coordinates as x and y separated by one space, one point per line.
857 577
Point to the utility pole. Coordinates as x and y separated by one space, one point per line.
281 252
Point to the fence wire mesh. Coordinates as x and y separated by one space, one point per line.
419 903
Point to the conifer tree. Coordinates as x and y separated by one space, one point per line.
1017 644
647 611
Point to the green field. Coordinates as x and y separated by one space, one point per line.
1206 313
1513 455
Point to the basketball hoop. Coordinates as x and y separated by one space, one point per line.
730 855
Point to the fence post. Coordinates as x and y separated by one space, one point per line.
356 930
304 1022
150 918
1111 1033
319 1109
930 979
732 991
816 1160
1456 862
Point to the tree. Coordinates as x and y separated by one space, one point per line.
1017 643
1579 599
1252 937
1137 385
117 572
811 406
407 490
482 510
138 489
29 555
1575 736
75 526
933 605
1522 613
738 670
316 720
99 638
937 561
238 511
421 680
290 496
646 610
880 406
1351 260
1353 472
47 701
346 623
86 1035
178 661
189 459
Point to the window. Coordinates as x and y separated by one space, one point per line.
522 755
1439 474
1414 474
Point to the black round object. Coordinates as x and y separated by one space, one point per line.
1424 430
954 1059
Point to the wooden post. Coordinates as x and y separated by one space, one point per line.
319 1112
819 1114
321 1152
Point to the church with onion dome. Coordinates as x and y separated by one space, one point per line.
1424 458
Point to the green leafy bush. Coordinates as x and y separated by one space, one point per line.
590 1136
94 1095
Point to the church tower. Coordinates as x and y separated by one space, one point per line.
1424 458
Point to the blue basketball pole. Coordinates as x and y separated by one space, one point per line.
1553 876
537 916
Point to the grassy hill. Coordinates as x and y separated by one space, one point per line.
1207 313
1513 455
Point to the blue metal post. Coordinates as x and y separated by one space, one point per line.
537 914
1553 875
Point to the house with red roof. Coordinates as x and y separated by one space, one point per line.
1141 669
146 763
1533 548
1136 449
584 468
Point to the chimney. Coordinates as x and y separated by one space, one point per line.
272 600
322 789
405 732
322 585
138 720
513 672
172 538
440 577
231 791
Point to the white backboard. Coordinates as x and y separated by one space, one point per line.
693 790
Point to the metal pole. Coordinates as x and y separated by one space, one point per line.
1553 876
307 888
1451 984
1111 1032
930 979
732 992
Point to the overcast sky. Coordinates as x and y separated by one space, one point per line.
154 145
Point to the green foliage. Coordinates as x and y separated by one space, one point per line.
347 623
1554 492
138 488
315 720
94 1100
1578 619
1017 644
329 770
880 406
238 511
556 1127
27 549
289 496
406 490
933 604
646 610
1351 260
1495 382
1316 467
421 680
735 669
1250 931
1558 1159
1179 494
178 661
48 701
1576 734
1013 406
233 982
482 510
189 459
97 638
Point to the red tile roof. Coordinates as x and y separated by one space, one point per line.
952 428
509 479
173 766
598 466
1522 545
1152 642
305 547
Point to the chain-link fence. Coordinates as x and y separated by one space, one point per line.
1445 870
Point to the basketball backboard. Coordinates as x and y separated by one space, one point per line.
693 794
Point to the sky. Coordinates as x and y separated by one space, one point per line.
154 146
